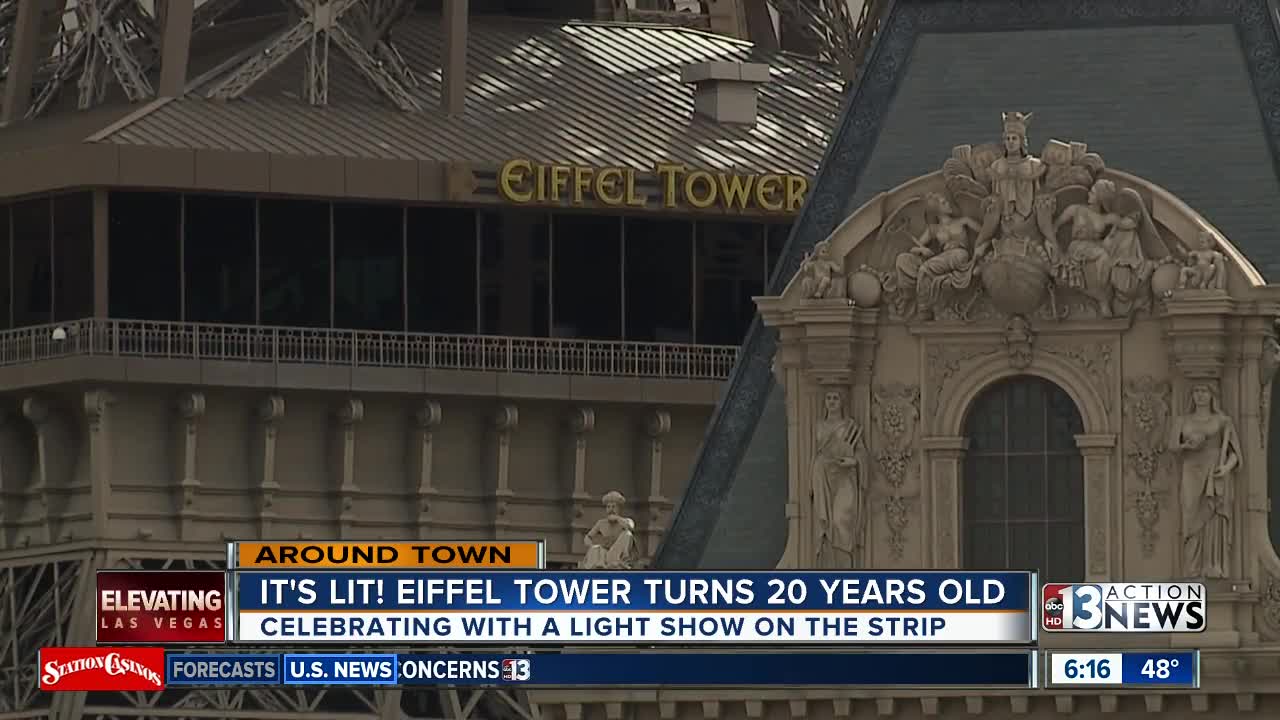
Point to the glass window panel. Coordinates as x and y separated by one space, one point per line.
443 252
368 242
6 277
586 276
218 254
515 274
986 546
1027 547
986 423
144 255
1026 417
985 484
730 271
1064 421
73 256
32 264
1026 487
294 247
1065 487
1066 552
659 280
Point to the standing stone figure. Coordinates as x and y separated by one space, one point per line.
839 486
1206 439
611 542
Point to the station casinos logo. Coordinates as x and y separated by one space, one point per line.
89 669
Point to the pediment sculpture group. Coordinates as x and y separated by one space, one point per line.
1027 236
1023 234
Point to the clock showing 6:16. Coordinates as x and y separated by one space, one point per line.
1166 669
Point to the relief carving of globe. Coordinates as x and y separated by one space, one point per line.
1016 284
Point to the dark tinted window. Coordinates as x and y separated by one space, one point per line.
145 281
295 249
369 278
586 276
218 254
442 270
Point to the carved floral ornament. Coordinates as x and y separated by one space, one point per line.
999 233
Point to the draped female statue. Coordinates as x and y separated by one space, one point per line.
839 487
1206 439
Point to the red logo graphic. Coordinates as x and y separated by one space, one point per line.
157 607
130 669
1052 606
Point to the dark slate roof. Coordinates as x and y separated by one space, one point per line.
1185 94
589 93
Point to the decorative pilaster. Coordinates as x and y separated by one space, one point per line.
96 404
421 462
1098 451
657 508
573 463
346 417
190 408
944 458
270 413
505 421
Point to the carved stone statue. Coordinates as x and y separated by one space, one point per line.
1269 361
1021 259
819 273
926 274
1209 447
1018 339
1205 267
611 542
840 483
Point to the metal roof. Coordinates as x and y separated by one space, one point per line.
585 93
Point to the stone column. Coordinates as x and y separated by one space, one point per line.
573 463
656 507
944 460
421 462
347 416
96 410
270 413
1099 458
190 408
505 421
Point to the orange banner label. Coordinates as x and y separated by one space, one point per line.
419 554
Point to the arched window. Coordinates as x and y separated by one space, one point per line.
1023 481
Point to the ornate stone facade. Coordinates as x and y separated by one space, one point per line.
1005 264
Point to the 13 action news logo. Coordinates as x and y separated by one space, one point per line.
89 669
1123 607
516 670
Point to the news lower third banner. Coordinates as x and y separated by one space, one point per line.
687 608
1010 669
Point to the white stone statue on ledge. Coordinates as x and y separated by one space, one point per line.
611 542
1206 439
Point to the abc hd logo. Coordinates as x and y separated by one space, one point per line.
516 670
1123 607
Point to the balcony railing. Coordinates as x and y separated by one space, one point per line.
361 348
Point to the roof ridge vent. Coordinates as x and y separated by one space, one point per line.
727 92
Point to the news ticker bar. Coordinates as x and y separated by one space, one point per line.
558 608
933 669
